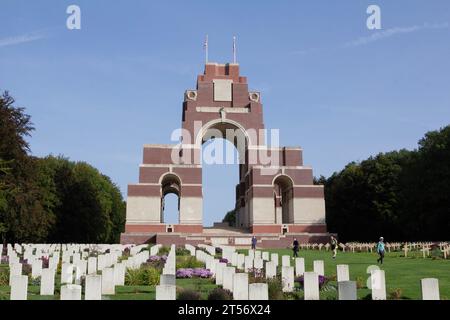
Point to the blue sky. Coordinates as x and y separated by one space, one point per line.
333 87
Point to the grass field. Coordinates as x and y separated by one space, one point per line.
401 273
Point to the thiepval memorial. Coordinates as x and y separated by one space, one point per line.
276 199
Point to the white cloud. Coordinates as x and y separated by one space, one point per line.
11 41
392 32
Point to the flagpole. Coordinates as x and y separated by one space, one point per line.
234 50
206 49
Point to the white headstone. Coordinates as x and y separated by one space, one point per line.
92 265
66 273
286 261
378 285
93 290
319 267
228 273
108 286
342 272
430 289
119 274
265 256
258 263
47 282
19 287
219 272
271 269
299 266
248 263
167 279
241 261
274 258
347 290
70 292
166 292
240 286
287 277
258 291
311 285
15 269
36 268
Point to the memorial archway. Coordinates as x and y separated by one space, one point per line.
271 196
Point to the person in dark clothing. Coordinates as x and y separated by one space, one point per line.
254 240
295 246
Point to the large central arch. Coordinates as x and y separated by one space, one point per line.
272 197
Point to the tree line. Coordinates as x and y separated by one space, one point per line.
401 195
51 199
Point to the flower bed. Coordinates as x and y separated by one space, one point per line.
194 273
322 281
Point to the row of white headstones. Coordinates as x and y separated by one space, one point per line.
76 263
226 275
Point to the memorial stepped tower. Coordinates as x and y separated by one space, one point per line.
275 200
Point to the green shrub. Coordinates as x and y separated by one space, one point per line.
188 294
395 294
275 289
163 251
220 294
145 276
360 283
184 262
182 252
4 277
150 276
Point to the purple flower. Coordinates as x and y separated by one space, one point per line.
5 260
322 280
197 272
223 260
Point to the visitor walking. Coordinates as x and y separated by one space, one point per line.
380 250
254 240
334 246
295 246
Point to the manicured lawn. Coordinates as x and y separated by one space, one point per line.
403 273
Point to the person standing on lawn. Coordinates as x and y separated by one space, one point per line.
334 246
380 250
295 246
254 240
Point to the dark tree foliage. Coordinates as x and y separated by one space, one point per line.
230 218
401 195
51 199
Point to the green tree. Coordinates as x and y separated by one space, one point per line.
230 217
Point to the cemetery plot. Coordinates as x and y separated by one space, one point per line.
148 272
